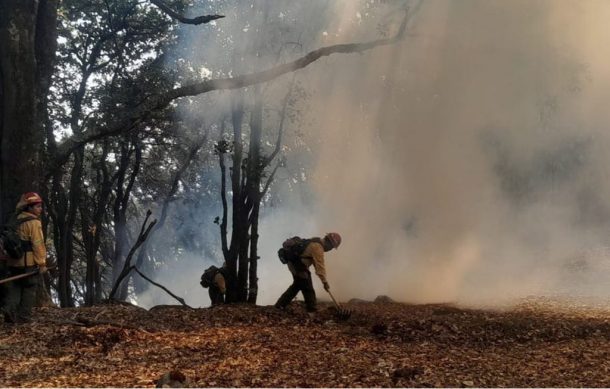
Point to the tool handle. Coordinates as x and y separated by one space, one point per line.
333 297
18 277
24 275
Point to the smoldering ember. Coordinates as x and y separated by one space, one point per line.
323 193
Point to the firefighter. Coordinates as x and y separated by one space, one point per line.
215 280
218 289
21 294
313 254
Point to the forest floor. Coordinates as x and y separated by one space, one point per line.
537 343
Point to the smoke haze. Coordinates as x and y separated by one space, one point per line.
467 163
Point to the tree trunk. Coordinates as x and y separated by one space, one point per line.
91 220
234 293
120 211
18 19
253 271
28 34
253 189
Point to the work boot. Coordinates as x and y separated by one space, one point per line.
279 306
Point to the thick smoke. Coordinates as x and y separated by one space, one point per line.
467 163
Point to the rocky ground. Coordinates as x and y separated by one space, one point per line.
537 343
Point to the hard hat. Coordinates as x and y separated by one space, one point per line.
334 238
27 199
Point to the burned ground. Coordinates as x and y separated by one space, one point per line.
537 343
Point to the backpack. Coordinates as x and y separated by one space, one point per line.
207 278
293 248
11 244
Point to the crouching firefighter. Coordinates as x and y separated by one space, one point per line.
299 254
21 294
215 279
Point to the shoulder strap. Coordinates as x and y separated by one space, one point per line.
25 219
317 240
26 245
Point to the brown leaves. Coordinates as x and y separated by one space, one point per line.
382 345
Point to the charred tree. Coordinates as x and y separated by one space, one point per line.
248 189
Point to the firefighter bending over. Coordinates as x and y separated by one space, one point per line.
299 254
215 279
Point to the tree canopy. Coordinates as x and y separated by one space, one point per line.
101 113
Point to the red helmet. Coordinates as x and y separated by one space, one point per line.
334 238
27 199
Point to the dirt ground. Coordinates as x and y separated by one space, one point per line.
537 343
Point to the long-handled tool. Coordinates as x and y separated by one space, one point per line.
342 313
20 276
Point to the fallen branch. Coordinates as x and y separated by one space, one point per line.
179 299
128 267
144 231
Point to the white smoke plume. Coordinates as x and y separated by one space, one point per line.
467 163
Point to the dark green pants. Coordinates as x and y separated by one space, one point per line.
301 283
20 295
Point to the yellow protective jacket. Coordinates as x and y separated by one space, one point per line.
219 281
313 255
32 232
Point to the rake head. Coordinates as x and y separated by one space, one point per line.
343 313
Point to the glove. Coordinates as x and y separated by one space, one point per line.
42 269
326 286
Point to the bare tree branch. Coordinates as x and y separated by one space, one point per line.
174 15
192 153
280 131
270 179
127 120
144 231
179 299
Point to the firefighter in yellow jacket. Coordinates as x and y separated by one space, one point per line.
21 294
216 280
313 254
